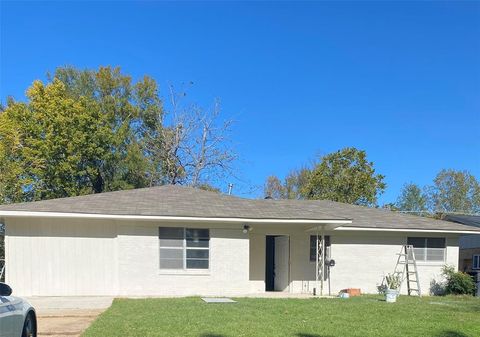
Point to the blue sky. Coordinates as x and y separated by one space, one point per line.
400 80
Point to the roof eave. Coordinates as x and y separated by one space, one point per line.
18 214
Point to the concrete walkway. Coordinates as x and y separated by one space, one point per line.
67 316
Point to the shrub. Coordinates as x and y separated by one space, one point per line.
457 282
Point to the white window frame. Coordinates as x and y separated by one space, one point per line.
184 249
476 262
425 260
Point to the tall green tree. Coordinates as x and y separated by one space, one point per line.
134 112
412 199
345 176
80 133
455 191
48 145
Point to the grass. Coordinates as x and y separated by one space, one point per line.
361 316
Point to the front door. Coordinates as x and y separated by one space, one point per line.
270 263
282 262
277 262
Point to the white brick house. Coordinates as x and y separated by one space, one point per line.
177 241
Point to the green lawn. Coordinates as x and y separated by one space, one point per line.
362 316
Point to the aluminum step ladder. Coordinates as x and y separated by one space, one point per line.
406 268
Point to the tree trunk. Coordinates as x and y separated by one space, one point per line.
98 183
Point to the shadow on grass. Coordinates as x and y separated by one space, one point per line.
451 333
446 333
297 335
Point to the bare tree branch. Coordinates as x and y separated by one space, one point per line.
193 146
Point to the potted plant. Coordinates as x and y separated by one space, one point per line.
393 285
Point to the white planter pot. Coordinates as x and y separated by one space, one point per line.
391 295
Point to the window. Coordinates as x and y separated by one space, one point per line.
184 248
428 249
476 262
313 247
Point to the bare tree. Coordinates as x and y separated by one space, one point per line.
193 146
290 188
274 188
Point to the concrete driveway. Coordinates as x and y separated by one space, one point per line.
67 316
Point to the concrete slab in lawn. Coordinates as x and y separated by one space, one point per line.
218 300
67 316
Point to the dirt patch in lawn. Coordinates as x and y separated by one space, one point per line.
67 316
67 323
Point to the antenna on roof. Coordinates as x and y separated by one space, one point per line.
230 187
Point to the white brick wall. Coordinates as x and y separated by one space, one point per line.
104 257
54 257
57 257
362 259
139 272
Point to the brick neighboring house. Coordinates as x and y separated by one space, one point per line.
469 245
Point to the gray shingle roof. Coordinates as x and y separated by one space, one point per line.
382 218
176 200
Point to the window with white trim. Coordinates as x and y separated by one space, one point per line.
184 248
476 262
428 249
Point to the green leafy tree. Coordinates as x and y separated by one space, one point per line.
412 199
80 133
134 112
46 144
345 176
455 191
